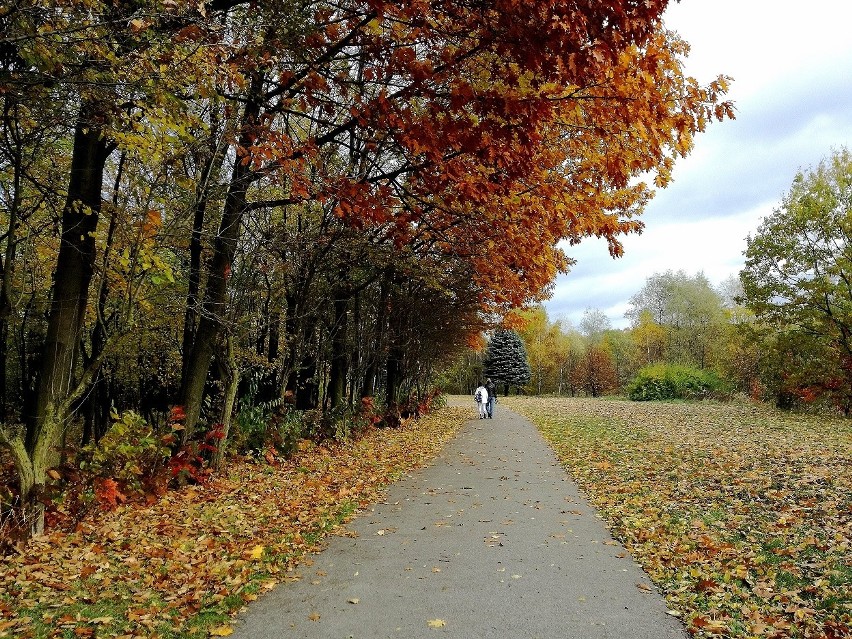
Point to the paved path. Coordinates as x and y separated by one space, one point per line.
490 541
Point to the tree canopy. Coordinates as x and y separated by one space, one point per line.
798 281
213 204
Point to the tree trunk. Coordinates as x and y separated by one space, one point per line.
337 374
394 375
218 272
73 274
212 167
379 333
307 386
270 385
231 375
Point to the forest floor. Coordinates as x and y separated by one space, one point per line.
741 516
181 566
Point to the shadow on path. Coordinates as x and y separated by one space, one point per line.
491 540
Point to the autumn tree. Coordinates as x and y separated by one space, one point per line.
649 339
542 343
570 351
94 57
797 277
689 310
275 191
598 373
444 120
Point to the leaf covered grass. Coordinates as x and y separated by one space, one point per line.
181 566
742 515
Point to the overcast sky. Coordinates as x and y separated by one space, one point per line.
792 69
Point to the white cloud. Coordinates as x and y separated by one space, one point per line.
714 246
791 66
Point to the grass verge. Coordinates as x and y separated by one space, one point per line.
183 566
742 515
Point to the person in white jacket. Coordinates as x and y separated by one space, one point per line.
480 395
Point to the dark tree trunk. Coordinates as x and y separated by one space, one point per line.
270 388
307 386
379 338
74 267
212 166
69 296
339 359
394 375
218 271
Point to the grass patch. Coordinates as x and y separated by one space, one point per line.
752 506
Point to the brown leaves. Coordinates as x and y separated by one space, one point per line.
152 569
740 514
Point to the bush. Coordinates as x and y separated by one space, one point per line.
130 453
675 381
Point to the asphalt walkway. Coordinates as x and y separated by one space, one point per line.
492 540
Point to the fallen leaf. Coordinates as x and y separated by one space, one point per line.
436 623
221 631
314 616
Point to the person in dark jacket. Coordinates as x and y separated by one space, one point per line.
492 397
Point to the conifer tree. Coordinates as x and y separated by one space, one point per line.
506 360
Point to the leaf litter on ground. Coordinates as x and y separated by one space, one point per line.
182 566
741 515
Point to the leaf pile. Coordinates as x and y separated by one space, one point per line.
741 514
179 567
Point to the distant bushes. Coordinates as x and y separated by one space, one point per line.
675 381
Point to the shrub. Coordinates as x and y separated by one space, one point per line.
675 381
129 453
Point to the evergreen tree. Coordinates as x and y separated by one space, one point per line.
506 360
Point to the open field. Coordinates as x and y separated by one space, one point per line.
740 514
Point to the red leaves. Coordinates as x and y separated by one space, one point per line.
177 414
108 494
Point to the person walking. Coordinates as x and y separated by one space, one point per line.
492 397
480 395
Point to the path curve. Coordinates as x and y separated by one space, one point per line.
491 541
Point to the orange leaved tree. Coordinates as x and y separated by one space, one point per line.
482 134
